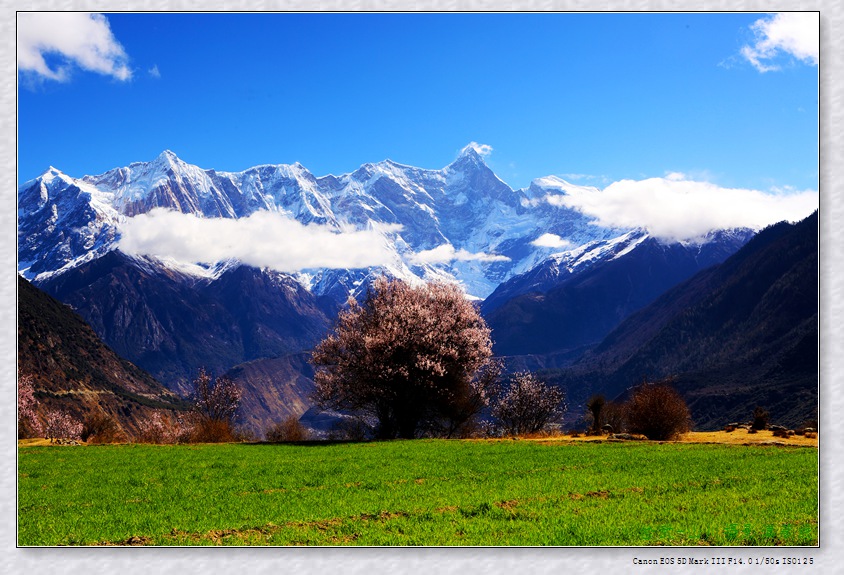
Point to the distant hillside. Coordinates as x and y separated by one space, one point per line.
551 310
73 370
171 324
273 389
741 334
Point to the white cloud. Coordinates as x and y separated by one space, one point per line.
83 40
481 149
550 241
446 253
677 209
154 72
793 33
264 239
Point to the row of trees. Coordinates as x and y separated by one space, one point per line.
214 405
415 360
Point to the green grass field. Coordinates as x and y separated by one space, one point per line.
435 492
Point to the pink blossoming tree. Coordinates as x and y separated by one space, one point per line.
61 425
416 359
28 423
527 405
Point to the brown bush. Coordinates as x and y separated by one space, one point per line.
245 435
760 418
207 430
288 430
100 427
658 412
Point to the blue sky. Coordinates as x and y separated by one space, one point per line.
730 99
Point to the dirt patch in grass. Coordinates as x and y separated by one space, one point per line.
508 505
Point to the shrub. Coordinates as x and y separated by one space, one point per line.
657 411
215 405
100 427
528 405
215 399
290 429
350 429
155 430
212 431
760 418
245 435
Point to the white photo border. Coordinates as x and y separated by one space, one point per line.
492 561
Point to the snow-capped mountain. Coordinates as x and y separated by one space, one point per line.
484 228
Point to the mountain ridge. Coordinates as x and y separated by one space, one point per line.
464 206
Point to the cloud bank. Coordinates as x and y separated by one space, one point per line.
77 39
793 33
264 239
446 253
681 210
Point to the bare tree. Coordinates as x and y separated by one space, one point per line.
417 359
527 405
613 414
595 405
215 401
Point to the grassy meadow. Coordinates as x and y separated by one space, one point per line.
420 492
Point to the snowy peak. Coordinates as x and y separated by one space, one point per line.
469 156
168 157
469 161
